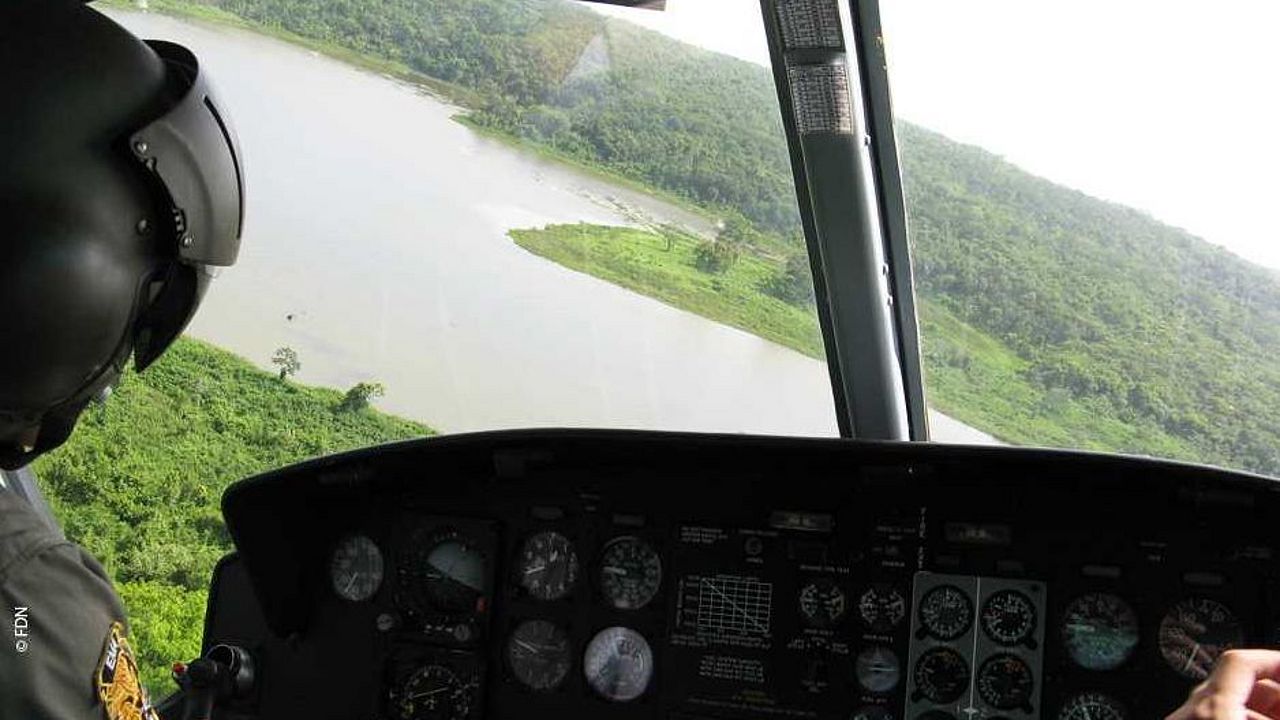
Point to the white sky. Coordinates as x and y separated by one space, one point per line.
1170 106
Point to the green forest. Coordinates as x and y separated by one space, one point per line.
1048 316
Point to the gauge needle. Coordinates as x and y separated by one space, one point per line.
528 646
352 581
428 693
1192 657
611 570
534 569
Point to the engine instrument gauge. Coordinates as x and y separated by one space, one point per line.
946 612
822 603
877 669
941 675
618 664
355 569
548 566
1099 631
1091 706
1194 633
1005 682
539 656
434 692
1009 617
882 607
630 573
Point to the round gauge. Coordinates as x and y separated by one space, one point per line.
443 573
1100 631
1194 633
941 675
877 669
1009 617
946 612
548 566
618 664
630 573
538 652
872 712
882 607
433 692
355 570
1005 682
1091 706
822 604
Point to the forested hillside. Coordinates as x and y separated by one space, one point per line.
1171 344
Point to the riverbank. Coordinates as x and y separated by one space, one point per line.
971 376
441 89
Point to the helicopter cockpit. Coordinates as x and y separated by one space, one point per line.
628 556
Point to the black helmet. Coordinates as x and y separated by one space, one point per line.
120 191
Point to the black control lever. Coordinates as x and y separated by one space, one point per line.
224 673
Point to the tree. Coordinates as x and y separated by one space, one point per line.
358 397
287 359
714 256
793 282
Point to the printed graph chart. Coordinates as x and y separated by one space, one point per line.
733 605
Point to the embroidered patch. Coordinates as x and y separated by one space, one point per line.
119 687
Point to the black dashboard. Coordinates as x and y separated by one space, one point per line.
598 574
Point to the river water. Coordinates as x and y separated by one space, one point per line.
376 247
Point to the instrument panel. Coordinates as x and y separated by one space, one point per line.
647 575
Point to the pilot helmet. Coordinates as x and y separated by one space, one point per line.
121 193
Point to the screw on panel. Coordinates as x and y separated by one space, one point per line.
140 147
187 241
143 226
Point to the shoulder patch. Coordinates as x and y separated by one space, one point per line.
119 687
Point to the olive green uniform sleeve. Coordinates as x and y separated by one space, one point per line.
57 608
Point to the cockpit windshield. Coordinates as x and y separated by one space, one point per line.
467 215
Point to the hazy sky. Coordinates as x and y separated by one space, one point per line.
1169 106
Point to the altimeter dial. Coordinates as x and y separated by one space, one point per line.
548 566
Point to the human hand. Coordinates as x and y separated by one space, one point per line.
1244 685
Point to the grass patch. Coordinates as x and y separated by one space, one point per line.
661 265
